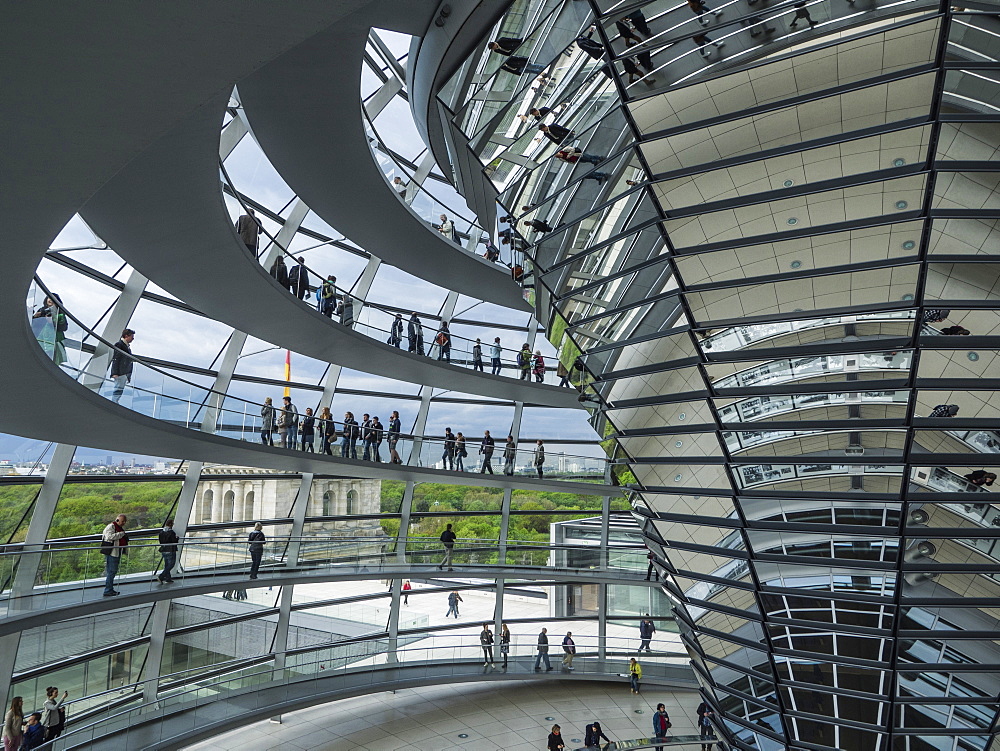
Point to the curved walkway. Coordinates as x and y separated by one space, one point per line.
175 726
310 98
72 601
164 213
97 115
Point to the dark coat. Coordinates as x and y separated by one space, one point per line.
121 364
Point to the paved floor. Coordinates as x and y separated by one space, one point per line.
511 717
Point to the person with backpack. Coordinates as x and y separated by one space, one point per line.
569 650
396 332
538 366
350 433
298 279
168 551
54 713
256 542
288 424
113 543
328 296
443 341
524 358
705 731
448 540
248 229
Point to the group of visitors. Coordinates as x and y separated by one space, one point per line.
299 431
594 732
22 733
456 452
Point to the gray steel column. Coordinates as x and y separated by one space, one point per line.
299 507
223 379
38 528
286 234
231 135
602 589
381 98
97 367
154 655
405 508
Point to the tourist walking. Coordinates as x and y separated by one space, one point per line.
307 430
122 364
543 651
13 722
288 421
634 674
524 357
393 438
486 642
539 458
327 430
555 742
448 450
569 650
504 643
486 449
113 543
396 331
168 551
280 272
328 296
248 230
704 721
460 452
448 540
415 334
375 432
406 592
54 713
267 422
453 599
443 341
646 631
661 722
477 356
509 456
256 542
538 366
563 372
298 279
350 433
495 352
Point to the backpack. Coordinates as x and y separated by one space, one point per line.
441 338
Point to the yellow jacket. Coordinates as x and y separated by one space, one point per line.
635 670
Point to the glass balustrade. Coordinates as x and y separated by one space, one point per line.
377 321
156 393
